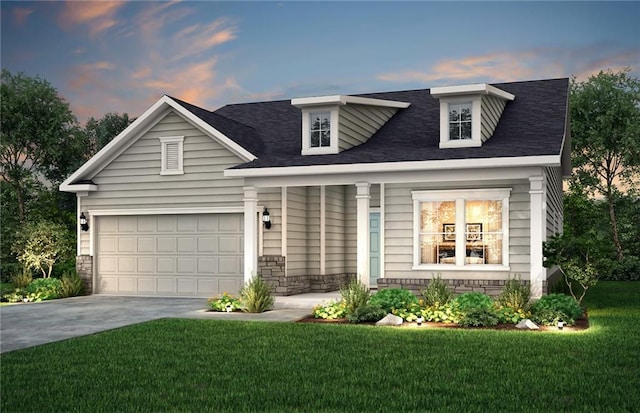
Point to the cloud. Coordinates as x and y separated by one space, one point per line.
99 16
20 15
199 38
539 63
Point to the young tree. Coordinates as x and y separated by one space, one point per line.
605 131
40 246
100 132
39 136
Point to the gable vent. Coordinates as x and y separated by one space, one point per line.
171 160
172 148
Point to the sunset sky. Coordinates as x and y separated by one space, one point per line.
123 56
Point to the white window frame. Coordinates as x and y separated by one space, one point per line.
460 197
164 142
476 127
333 131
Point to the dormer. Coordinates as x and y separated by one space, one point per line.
332 124
469 114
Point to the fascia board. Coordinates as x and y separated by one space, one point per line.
544 160
78 187
473 89
345 99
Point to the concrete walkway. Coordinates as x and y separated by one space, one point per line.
33 324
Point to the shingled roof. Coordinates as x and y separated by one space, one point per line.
531 125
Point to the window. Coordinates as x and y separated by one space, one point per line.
461 229
172 155
459 121
320 123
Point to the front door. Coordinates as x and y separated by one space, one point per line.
374 249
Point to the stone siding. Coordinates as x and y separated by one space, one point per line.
489 287
84 268
272 269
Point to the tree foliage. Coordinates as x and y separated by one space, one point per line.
605 130
43 244
99 132
39 135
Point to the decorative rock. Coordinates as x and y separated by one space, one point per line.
527 324
390 320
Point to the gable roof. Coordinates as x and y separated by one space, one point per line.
534 124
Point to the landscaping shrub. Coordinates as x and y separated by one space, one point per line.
468 301
225 300
22 279
479 317
626 270
45 288
514 295
437 291
354 295
71 284
551 308
442 313
331 310
256 296
409 313
393 298
367 312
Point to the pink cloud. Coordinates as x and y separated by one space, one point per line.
99 16
20 15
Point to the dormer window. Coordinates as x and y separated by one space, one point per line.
171 155
459 121
320 123
469 114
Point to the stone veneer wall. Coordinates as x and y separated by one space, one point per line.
84 268
489 287
272 269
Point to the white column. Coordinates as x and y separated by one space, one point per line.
250 232
323 230
538 206
362 225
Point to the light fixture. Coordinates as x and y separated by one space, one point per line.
560 324
84 224
419 320
266 218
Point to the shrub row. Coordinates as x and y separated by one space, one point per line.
26 289
255 297
439 304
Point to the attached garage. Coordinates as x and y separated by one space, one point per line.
191 255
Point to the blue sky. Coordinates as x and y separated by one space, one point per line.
123 56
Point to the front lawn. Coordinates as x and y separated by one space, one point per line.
206 365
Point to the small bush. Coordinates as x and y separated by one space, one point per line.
393 298
256 296
330 311
225 300
354 295
436 292
22 279
442 313
469 301
509 315
367 312
410 313
45 288
71 284
479 317
551 308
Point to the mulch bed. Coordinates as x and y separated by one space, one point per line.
580 325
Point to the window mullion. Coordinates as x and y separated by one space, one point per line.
461 250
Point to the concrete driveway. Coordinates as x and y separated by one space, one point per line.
32 324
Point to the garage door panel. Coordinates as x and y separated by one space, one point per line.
190 255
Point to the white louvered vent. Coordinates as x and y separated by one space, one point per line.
172 149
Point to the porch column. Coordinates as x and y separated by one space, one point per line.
362 225
250 232
538 234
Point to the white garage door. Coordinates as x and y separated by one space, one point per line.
170 255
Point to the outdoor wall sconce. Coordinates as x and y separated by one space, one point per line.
84 224
266 219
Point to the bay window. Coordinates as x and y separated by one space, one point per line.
461 228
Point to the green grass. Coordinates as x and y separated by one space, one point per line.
205 365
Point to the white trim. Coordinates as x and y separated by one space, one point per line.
333 132
464 268
323 229
519 161
345 99
142 123
382 224
164 142
79 188
283 235
250 200
538 232
260 231
476 124
362 232
167 211
78 229
472 89
466 194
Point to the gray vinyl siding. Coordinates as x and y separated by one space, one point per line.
350 229
271 198
357 123
334 229
133 179
313 230
492 108
399 229
296 231
554 201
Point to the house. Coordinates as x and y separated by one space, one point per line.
391 188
